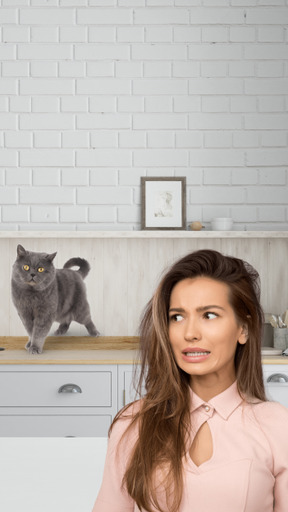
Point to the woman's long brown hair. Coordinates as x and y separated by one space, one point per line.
163 418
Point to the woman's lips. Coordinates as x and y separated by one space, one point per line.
195 355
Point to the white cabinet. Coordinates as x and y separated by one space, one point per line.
276 382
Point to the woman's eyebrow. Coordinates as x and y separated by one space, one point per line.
200 309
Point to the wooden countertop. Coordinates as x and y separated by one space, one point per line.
83 350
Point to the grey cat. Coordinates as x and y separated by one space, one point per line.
43 294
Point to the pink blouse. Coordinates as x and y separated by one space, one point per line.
248 471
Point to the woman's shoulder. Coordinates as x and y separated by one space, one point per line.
272 415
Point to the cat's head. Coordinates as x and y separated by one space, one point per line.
33 269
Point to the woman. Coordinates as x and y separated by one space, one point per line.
204 438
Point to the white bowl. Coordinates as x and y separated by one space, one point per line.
222 224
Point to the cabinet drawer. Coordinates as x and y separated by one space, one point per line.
41 389
55 426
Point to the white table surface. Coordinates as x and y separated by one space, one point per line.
50 474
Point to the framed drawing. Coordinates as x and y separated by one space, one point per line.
163 203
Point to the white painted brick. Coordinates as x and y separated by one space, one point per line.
272 177
186 69
45 177
75 177
244 176
8 52
73 214
271 34
270 69
8 121
45 51
8 158
2 177
266 86
15 213
160 157
159 172
15 34
44 214
8 195
217 157
102 214
161 34
45 104
218 139
130 34
242 34
158 121
8 86
75 139
46 195
203 121
104 16
104 195
47 139
161 87
104 139
46 121
126 69
212 34
44 34
193 213
150 51
217 177
18 177
265 51
73 69
103 157
8 16
243 104
187 34
130 104
4 104
18 139
155 16
44 157
221 195
215 104
244 213
74 104
158 104
193 176
214 51
19 104
271 104
101 34
37 86
43 68
266 122
214 69
276 157
268 195
131 3
161 139
129 214
157 69
248 139
131 176
73 34
274 139
267 16
103 51
272 214
103 121
103 178
103 86
46 16
101 68
132 139
241 68
217 16
158 3
189 139
216 86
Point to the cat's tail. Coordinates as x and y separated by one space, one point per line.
83 265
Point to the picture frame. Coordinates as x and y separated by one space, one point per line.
163 203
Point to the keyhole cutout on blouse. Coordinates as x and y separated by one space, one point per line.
202 447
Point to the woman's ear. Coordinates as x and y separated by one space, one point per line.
243 336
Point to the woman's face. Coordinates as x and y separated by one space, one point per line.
204 331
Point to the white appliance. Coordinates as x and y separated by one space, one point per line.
276 382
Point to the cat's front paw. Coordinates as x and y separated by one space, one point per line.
33 349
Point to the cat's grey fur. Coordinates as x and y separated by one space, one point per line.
50 295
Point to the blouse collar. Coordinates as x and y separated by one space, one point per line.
224 403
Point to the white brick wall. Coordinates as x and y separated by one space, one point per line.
95 94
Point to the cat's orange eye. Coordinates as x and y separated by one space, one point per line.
41 269
26 267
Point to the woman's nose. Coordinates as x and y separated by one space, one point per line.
192 331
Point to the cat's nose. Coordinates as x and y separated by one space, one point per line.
32 275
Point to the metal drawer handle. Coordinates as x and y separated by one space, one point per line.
70 388
277 377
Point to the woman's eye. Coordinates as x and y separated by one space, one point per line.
210 315
26 267
40 269
176 318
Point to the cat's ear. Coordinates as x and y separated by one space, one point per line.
50 257
20 251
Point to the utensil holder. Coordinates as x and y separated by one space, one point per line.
280 338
